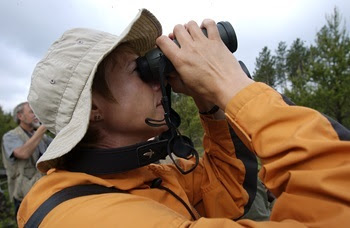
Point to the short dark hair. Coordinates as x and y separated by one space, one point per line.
100 84
101 87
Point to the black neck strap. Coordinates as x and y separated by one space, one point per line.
116 160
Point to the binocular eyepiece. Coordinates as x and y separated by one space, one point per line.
149 64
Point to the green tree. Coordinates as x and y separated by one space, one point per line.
281 65
190 121
330 69
6 207
265 70
6 123
316 76
297 63
297 59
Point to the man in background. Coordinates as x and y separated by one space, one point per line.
21 149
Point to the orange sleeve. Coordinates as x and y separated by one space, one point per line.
305 156
225 183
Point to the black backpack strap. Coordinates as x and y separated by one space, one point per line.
66 194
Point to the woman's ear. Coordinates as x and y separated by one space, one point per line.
95 114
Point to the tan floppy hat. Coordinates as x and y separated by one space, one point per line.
60 91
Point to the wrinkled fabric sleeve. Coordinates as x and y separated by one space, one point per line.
10 143
216 188
224 173
305 162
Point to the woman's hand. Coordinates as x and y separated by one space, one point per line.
203 105
206 68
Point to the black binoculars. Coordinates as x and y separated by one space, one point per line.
149 64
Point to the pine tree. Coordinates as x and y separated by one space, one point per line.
264 70
297 66
281 65
330 69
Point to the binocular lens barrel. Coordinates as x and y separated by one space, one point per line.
148 65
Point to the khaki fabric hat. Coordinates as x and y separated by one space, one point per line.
60 91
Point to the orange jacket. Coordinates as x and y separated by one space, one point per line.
306 164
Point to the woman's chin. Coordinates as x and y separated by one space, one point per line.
159 130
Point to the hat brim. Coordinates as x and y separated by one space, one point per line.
141 33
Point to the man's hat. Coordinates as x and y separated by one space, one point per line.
60 91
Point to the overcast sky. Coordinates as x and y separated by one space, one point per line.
29 27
